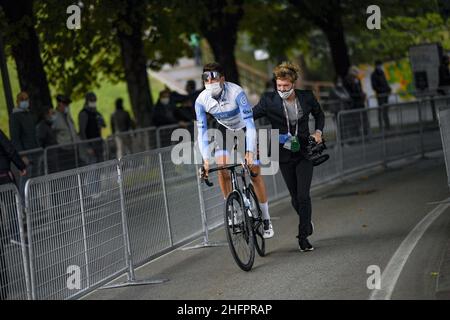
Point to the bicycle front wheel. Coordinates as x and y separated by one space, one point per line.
239 232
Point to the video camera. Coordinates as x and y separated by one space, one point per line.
314 151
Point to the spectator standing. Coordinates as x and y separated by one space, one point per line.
164 112
122 122
91 123
195 45
46 136
353 85
444 76
66 135
44 131
22 127
381 86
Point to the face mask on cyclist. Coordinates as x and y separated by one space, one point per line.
214 88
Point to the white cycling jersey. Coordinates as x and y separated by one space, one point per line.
232 110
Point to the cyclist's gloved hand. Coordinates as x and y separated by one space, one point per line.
204 170
249 158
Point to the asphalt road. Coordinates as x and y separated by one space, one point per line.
360 222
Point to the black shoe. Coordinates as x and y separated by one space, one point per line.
304 245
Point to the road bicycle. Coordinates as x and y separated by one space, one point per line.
243 216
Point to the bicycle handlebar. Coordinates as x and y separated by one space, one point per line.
229 167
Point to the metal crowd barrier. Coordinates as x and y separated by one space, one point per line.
14 277
444 124
164 134
377 135
130 142
74 223
78 232
64 157
162 203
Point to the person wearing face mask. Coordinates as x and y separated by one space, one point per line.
44 132
22 126
64 129
227 103
288 110
91 123
164 112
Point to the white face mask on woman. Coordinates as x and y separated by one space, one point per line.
214 88
285 94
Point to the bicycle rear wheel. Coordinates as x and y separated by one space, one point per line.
258 227
239 232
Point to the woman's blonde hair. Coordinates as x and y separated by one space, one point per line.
286 70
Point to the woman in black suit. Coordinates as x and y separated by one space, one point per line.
288 110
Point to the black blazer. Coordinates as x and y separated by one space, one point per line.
271 107
8 154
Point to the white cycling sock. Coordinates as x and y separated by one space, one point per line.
265 210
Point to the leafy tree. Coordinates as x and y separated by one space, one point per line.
218 22
117 41
22 39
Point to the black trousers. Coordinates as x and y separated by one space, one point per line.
383 113
298 173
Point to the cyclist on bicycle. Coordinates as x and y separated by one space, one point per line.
227 103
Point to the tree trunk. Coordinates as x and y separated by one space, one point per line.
224 54
327 15
5 78
338 46
220 27
135 65
26 53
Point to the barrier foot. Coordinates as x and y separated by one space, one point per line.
440 202
130 283
206 245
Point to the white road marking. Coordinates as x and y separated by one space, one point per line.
395 266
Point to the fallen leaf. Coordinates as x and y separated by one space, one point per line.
434 274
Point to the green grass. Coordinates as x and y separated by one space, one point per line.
106 96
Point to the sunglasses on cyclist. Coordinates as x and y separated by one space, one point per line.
211 75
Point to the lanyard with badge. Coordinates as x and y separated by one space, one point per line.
292 143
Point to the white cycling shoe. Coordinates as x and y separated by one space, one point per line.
268 229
